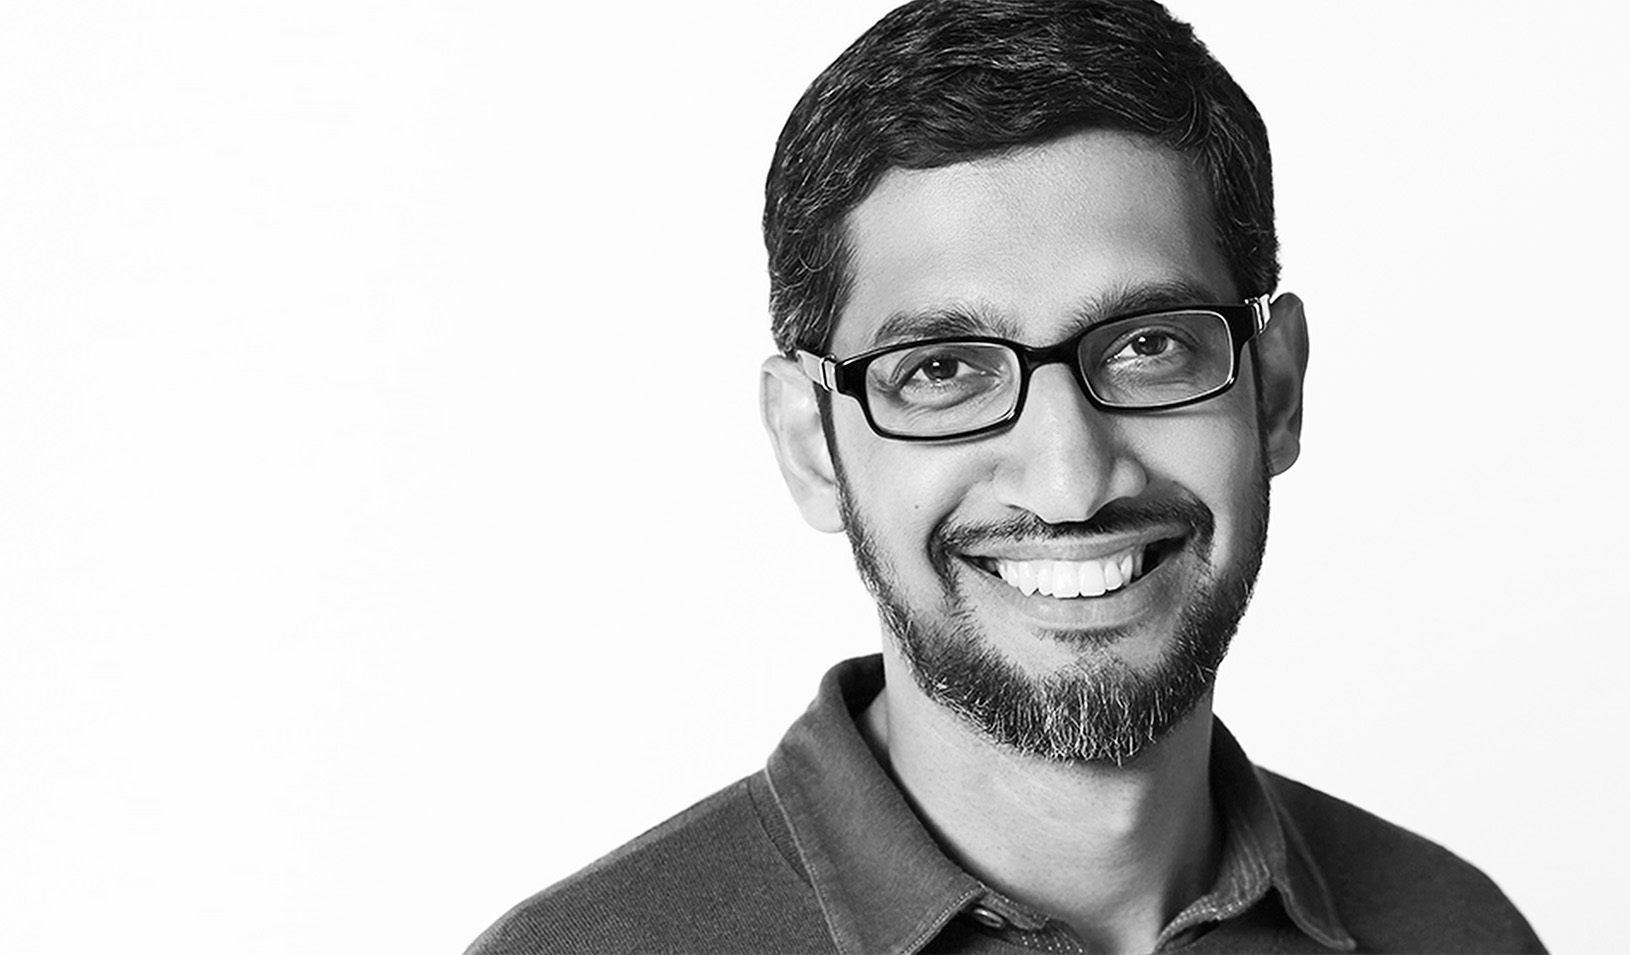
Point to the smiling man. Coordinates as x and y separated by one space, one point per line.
1033 363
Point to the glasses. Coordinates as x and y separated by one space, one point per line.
943 388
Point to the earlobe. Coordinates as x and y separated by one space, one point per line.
1281 354
793 420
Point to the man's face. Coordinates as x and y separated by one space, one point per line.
955 537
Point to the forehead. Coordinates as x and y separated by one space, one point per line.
1034 242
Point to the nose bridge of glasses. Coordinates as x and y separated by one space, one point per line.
1066 352
1065 397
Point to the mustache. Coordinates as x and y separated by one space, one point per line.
1122 515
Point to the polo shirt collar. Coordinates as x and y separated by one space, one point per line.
1266 833
882 882
884 885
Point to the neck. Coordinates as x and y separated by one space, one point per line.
1115 851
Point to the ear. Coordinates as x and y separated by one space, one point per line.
793 419
1281 355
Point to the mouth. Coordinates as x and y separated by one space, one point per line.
1080 579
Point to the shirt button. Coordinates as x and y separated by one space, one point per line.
987 918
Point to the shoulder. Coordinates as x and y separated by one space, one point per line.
721 876
1395 890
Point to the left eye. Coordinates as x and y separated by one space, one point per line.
1146 345
1149 344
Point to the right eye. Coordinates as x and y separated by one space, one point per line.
941 374
938 369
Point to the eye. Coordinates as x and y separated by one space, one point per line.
939 365
940 368
938 374
1148 343
1152 360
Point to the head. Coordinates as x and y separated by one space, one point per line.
1024 170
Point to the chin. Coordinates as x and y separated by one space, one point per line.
1097 668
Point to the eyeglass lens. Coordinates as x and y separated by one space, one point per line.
943 388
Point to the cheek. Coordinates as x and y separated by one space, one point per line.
1215 456
902 490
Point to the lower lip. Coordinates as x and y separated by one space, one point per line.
1138 600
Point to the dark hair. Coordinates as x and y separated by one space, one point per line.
938 82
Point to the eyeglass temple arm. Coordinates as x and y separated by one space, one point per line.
822 371
1259 308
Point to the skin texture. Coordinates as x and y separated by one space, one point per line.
1038 243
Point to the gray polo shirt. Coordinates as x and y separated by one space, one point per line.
819 852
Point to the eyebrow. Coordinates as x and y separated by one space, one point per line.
975 318
1145 297
943 321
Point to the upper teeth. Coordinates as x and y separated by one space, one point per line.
1073 578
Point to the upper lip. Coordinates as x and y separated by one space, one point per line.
1094 548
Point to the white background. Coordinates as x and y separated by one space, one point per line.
386 529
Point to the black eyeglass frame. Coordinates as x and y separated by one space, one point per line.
847 376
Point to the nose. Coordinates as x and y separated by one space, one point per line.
1064 459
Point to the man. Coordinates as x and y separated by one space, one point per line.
1023 268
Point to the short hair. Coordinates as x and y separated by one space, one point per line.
937 82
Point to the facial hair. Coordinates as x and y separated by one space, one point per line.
1101 709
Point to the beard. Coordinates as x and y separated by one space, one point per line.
1100 708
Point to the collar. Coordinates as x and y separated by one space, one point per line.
884 885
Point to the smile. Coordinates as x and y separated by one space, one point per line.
1077 578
